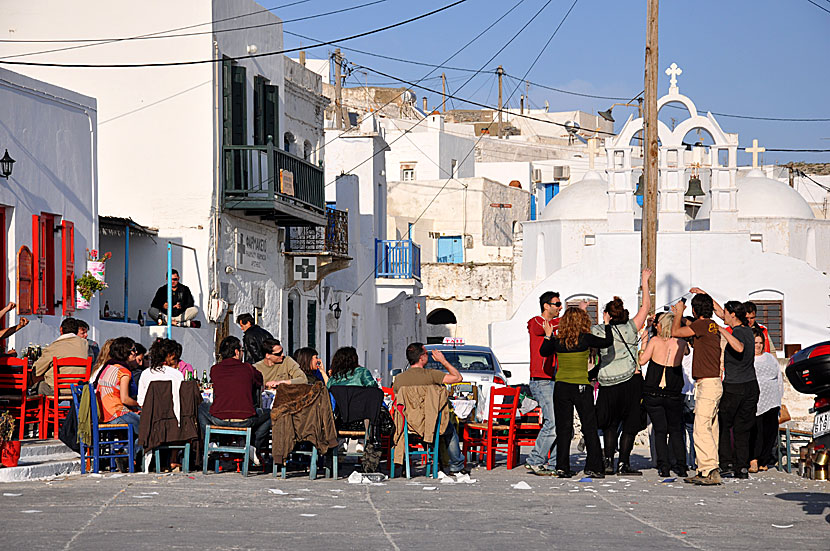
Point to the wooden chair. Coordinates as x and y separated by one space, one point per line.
57 406
106 441
420 451
498 433
14 382
244 450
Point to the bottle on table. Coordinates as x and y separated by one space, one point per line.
140 318
106 309
205 381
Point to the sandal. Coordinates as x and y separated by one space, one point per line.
753 466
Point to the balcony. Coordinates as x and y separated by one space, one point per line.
397 259
264 181
333 239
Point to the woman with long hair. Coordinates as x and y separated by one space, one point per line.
662 396
771 385
164 360
103 358
345 370
739 401
572 390
114 384
311 365
620 381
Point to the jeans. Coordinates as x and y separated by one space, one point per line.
689 422
544 451
737 415
567 397
450 440
260 423
666 414
130 418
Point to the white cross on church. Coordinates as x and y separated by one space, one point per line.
755 150
592 150
673 71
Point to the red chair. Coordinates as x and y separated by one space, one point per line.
58 405
527 429
386 440
14 383
498 433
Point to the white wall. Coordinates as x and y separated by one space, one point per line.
51 133
429 147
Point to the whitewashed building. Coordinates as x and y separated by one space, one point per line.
753 238
47 202
192 155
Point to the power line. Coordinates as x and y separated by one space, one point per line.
249 56
199 33
819 6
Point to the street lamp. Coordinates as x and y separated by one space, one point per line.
607 113
6 165
336 310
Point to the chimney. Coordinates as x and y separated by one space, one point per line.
302 58
425 104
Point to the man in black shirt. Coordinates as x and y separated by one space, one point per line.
740 392
184 307
253 339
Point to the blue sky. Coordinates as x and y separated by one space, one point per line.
757 58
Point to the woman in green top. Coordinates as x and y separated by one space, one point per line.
346 370
572 390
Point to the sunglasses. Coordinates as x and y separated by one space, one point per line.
278 354
555 303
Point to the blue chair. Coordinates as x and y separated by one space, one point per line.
312 469
431 455
185 460
335 452
105 441
215 430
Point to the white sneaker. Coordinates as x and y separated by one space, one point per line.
253 456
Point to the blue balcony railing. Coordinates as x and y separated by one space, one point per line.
397 259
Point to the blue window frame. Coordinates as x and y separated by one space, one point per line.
450 250
550 192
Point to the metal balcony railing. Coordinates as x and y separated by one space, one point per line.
332 239
265 180
397 259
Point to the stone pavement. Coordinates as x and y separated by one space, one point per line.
771 511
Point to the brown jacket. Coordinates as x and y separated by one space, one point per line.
421 405
301 413
66 346
158 424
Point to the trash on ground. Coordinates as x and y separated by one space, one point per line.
521 485
276 491
667 480
308 514
430 487
783 525
11 495
27 511
366 478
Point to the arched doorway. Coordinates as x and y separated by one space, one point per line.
440 323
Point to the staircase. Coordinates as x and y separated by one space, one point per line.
42 459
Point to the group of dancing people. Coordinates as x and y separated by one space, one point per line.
627 371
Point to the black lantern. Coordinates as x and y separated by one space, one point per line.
6 165
335 308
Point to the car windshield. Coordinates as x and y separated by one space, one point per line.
465 360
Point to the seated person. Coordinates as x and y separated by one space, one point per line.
277 368
311 365
234 386
137 366
417 375
68 345
9 331
164 357
184 308
347 371
83 332
254 335
114 385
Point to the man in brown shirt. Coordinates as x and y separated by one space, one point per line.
68 345
706 370
278 368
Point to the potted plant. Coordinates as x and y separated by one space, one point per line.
85 287
97 265
9 449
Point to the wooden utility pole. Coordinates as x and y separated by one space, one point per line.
443 93
500 72
648 255
338 91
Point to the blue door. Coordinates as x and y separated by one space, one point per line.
550 192
450 250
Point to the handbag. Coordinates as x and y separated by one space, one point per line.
783 414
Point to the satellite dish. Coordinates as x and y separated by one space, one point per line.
409 97
572 127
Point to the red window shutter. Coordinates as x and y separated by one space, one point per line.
39 268
68 250
25 281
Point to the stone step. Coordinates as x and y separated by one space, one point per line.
43 449
62 464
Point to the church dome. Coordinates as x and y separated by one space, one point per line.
762 197
584 200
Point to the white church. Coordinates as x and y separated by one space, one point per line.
752 238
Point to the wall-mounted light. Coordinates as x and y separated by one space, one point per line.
336 310
6 165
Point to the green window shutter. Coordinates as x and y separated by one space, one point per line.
238 108
259 115
272 123
312 324
226 101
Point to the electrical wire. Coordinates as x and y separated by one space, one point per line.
819 6
216 60
199 33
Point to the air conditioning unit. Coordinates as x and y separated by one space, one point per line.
537 175
561 172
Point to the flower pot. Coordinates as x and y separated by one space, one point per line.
97 269
80 302
10 453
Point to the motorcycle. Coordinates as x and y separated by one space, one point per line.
809 373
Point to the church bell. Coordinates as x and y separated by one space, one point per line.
639 192
695 189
